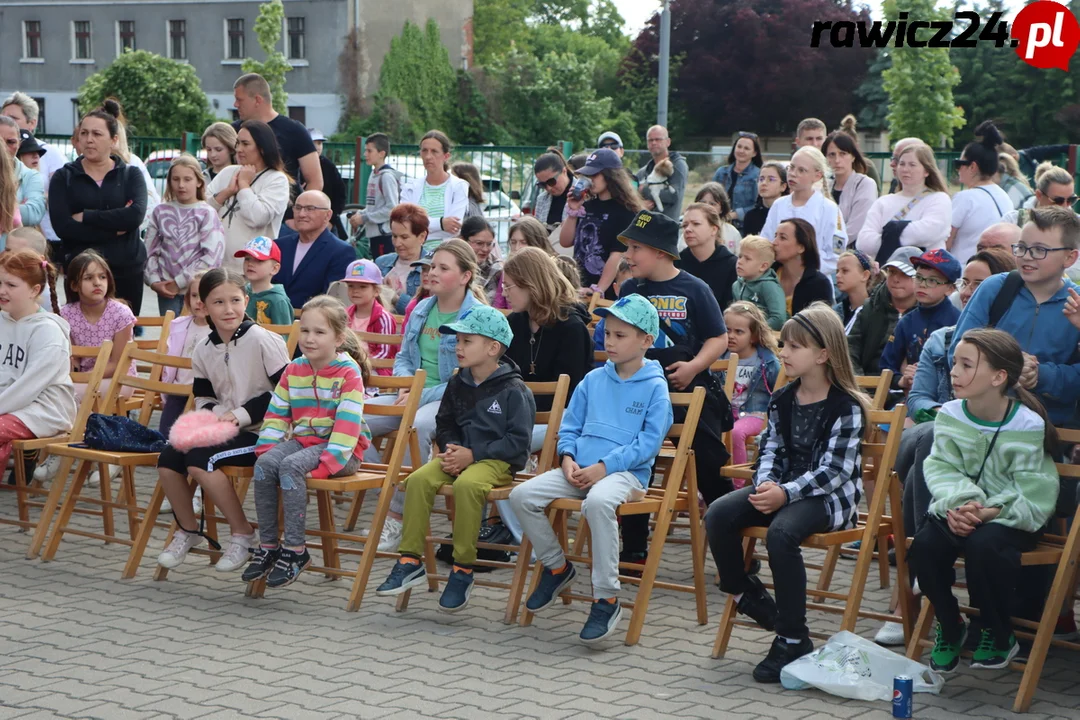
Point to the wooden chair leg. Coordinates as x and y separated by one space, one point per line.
65 511
107 520
327 524
354 511
828 567
883 560
858 577
52 501
648 578
142 537
727 619
210 514
371 545
21 485
697 546
906 605
517 584
129 495
921 630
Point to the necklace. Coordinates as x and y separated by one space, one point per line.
534 350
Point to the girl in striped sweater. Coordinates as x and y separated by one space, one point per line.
993 484
319 401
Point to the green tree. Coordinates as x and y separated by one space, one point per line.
268 30
871 93
161 97
498 26
416 77
920 82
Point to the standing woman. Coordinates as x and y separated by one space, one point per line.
120 147
852 190
798 266
98 203
807 168
983 202
917 215
219 141
554 177
469 173
772 185
607 207
252 195
1012 181
706 257
739 177
713 193
443 196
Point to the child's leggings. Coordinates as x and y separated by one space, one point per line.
745 427
286 465
11 428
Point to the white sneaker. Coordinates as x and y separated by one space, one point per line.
93 480
47 470
178 549
891 634
238 553
196 501
391 535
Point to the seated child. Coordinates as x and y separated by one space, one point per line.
366 313
28 238
610 435
750 338
757 281
623 274
483 427
267 304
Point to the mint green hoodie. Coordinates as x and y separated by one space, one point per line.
766 293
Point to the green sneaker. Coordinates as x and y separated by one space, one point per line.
990 656
946 655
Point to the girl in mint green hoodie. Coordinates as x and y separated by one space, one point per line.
994 486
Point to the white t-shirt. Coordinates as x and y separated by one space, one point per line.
301 250
824 215
974 210
50 162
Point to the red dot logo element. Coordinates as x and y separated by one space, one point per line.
897 695
1046 35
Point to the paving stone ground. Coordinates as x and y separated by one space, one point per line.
78 642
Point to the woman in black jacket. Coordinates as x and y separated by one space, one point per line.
706 257
797 265
98 203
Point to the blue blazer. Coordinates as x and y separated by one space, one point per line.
323 264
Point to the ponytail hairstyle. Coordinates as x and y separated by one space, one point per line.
761 335
465 259
984 151
338 320
471 175
818 326
552 159
112 107
78 267
1002 353
1008 166
33 269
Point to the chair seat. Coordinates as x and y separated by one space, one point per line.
39 443
348 483
817 540
124 459
743 472
637 507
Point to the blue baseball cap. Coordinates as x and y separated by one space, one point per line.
482 320
634 310
602 159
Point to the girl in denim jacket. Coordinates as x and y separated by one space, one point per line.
751 339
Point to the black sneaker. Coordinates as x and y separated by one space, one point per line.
402 577
549 588
780 654
632 557
288 567
758 605
262 562
455 595
603 620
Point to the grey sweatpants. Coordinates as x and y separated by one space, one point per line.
287 465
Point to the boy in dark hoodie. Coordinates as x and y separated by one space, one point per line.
483 427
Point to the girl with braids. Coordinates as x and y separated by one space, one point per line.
983 203
37 397
993 484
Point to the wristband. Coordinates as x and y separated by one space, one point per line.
579 213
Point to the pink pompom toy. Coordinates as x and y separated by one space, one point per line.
200 428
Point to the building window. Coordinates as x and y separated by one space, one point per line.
178 39
299 114
81 48
75 112
32 39
297 47
40 129
234 39
125 36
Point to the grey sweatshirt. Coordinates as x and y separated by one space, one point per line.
35 372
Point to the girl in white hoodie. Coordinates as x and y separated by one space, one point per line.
37 397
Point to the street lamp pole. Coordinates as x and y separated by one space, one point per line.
665 52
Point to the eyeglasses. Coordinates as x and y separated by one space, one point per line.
963 163
965 284
307 208
507 286
482 245
1037 253
1071 200
927 281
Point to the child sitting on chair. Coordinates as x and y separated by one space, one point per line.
617 420
483 427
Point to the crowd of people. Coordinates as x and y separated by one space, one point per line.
803 268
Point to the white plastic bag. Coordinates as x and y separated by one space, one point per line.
852 667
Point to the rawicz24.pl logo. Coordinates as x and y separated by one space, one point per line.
1044 34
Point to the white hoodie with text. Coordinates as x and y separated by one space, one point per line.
35 372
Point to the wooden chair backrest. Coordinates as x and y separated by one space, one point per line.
291 334
407 412
878 449
377 339
877 387
559 392
159 343
152 386
93 384
598 301
682 436
599 356
88 351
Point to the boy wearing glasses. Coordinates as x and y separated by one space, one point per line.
936 273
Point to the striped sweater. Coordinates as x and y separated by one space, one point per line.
1019 476
319 407
181 240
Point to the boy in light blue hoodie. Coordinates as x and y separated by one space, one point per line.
610 435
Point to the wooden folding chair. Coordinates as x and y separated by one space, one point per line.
877 452
559 392
597 300
665 502
377 339
159 344
290 333
367 477
877 387
26 487
1053 550
71 452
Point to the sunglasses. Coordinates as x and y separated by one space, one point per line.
1071 200
752 136
550 182
963 163
610 145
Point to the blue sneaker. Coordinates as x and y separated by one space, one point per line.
549 589
456 594
402 577
603 619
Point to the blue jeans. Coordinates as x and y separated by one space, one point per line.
175 304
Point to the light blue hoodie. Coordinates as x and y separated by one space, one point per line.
620 422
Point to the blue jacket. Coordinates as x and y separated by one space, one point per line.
324 263
912 331
31 194
407 361
386 262
760 390
621 423
1043 331
745 192
932 387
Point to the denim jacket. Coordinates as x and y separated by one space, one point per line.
386 262
407 361
760 391
932 387
745 192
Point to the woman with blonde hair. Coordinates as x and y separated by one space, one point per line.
1012 181
219 141
10 217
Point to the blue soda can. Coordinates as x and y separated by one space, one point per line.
901 696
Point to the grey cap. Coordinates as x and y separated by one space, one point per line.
901 260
